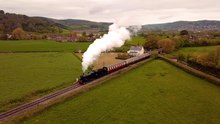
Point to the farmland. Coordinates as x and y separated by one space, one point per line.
190 50
148 94
41 46
27 73
137 40
35 67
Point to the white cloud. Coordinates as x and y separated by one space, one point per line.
122 11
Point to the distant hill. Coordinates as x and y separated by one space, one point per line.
188 25
10 21
76 24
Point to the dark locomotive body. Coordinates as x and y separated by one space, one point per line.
95 74
92 75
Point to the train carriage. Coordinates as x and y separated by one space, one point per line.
95 74
114 67
137 58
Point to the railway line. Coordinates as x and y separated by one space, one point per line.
30 105
77 85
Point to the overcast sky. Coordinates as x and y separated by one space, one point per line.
121 11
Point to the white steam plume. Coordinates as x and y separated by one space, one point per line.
134 29
116 37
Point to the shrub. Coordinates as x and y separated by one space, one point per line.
167 45
18 34
123 56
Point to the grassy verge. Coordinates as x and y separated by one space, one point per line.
156 92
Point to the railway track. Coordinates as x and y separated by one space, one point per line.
23 108
28 106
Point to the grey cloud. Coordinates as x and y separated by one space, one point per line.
121 11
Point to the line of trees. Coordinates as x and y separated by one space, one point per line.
153 42
170 42
11 21
20 34
209 61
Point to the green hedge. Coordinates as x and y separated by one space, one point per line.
193 71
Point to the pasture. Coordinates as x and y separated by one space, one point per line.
41 46
35 67
136 40
25 74
156 92
190 50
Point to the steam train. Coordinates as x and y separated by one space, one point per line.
95 74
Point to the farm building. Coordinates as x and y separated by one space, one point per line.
136 50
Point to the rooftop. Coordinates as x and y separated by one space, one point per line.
136 48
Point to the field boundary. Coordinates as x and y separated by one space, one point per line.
11 52
77 57
191 70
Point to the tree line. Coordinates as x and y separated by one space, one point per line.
10 21
208 61
170 42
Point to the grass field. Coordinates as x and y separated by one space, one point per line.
23 74
189 50
156 92
41 45
136 40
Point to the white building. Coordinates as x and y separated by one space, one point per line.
136 50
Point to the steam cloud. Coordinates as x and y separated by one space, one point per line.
134 29
116 37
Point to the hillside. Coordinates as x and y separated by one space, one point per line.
77 24
10 21
189 25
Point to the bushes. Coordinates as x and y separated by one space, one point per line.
209 61
205 42
123 56
154 54
167 45
193 71
18 34
151 42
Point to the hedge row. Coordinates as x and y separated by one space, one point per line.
193 71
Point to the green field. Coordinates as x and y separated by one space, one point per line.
35 67
41 45
23 74
156 92
136 40
189 50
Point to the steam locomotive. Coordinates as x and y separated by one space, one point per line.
95 74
